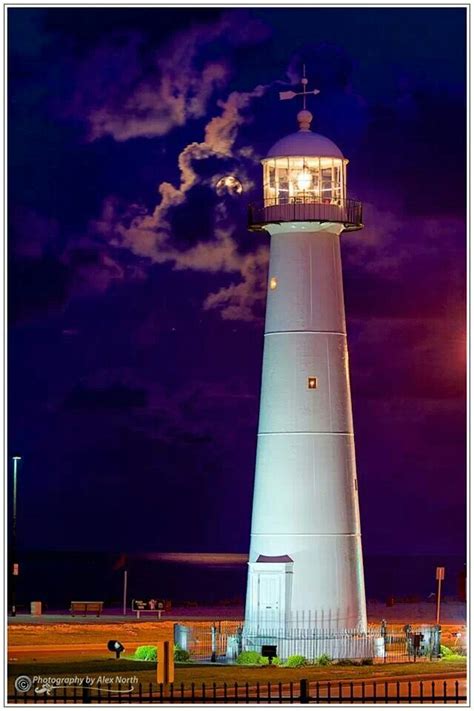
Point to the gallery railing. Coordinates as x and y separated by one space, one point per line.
305 209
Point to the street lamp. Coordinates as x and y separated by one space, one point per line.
15 567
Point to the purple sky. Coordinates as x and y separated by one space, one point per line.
137 295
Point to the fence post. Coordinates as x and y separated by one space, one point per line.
304 691
86 692
213 642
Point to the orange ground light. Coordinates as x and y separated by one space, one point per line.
131 634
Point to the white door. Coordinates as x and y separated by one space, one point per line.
269 599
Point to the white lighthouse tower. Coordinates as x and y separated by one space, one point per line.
305 563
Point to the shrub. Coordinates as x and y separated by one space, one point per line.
180 655
451 655
446 651
367 662
251 657
296 661
454 658
324 660
146 653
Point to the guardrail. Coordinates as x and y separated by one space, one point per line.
346 212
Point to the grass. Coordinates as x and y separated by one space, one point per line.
88 662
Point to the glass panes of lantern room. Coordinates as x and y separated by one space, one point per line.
304 180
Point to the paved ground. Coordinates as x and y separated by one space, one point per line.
452 613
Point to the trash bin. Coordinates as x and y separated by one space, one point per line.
35 608
232 651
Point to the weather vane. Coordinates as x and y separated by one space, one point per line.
284 95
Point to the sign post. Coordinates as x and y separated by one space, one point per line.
156 606
439 578
125 583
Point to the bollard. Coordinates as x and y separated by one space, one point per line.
165 662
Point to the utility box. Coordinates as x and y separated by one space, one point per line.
181 636
379 647
36 608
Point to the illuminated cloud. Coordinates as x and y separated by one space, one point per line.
129 90
245 299
221 131
151 235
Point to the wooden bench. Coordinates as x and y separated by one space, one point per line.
83 607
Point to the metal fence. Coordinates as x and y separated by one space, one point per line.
208 643
224 641
298 692
348 212
314 643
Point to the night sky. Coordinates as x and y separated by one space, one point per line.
137 295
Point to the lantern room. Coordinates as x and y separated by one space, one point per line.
304 179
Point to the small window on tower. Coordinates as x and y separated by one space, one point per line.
273 283
312 383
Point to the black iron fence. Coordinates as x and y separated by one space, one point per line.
298 692
348 212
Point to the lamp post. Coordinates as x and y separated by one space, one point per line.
15 567
439 578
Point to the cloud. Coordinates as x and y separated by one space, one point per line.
47 270
31 234
245 299
154 235
221 131
128 89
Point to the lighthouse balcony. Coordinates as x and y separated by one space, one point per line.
345 212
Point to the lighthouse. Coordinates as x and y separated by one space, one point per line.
305 565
